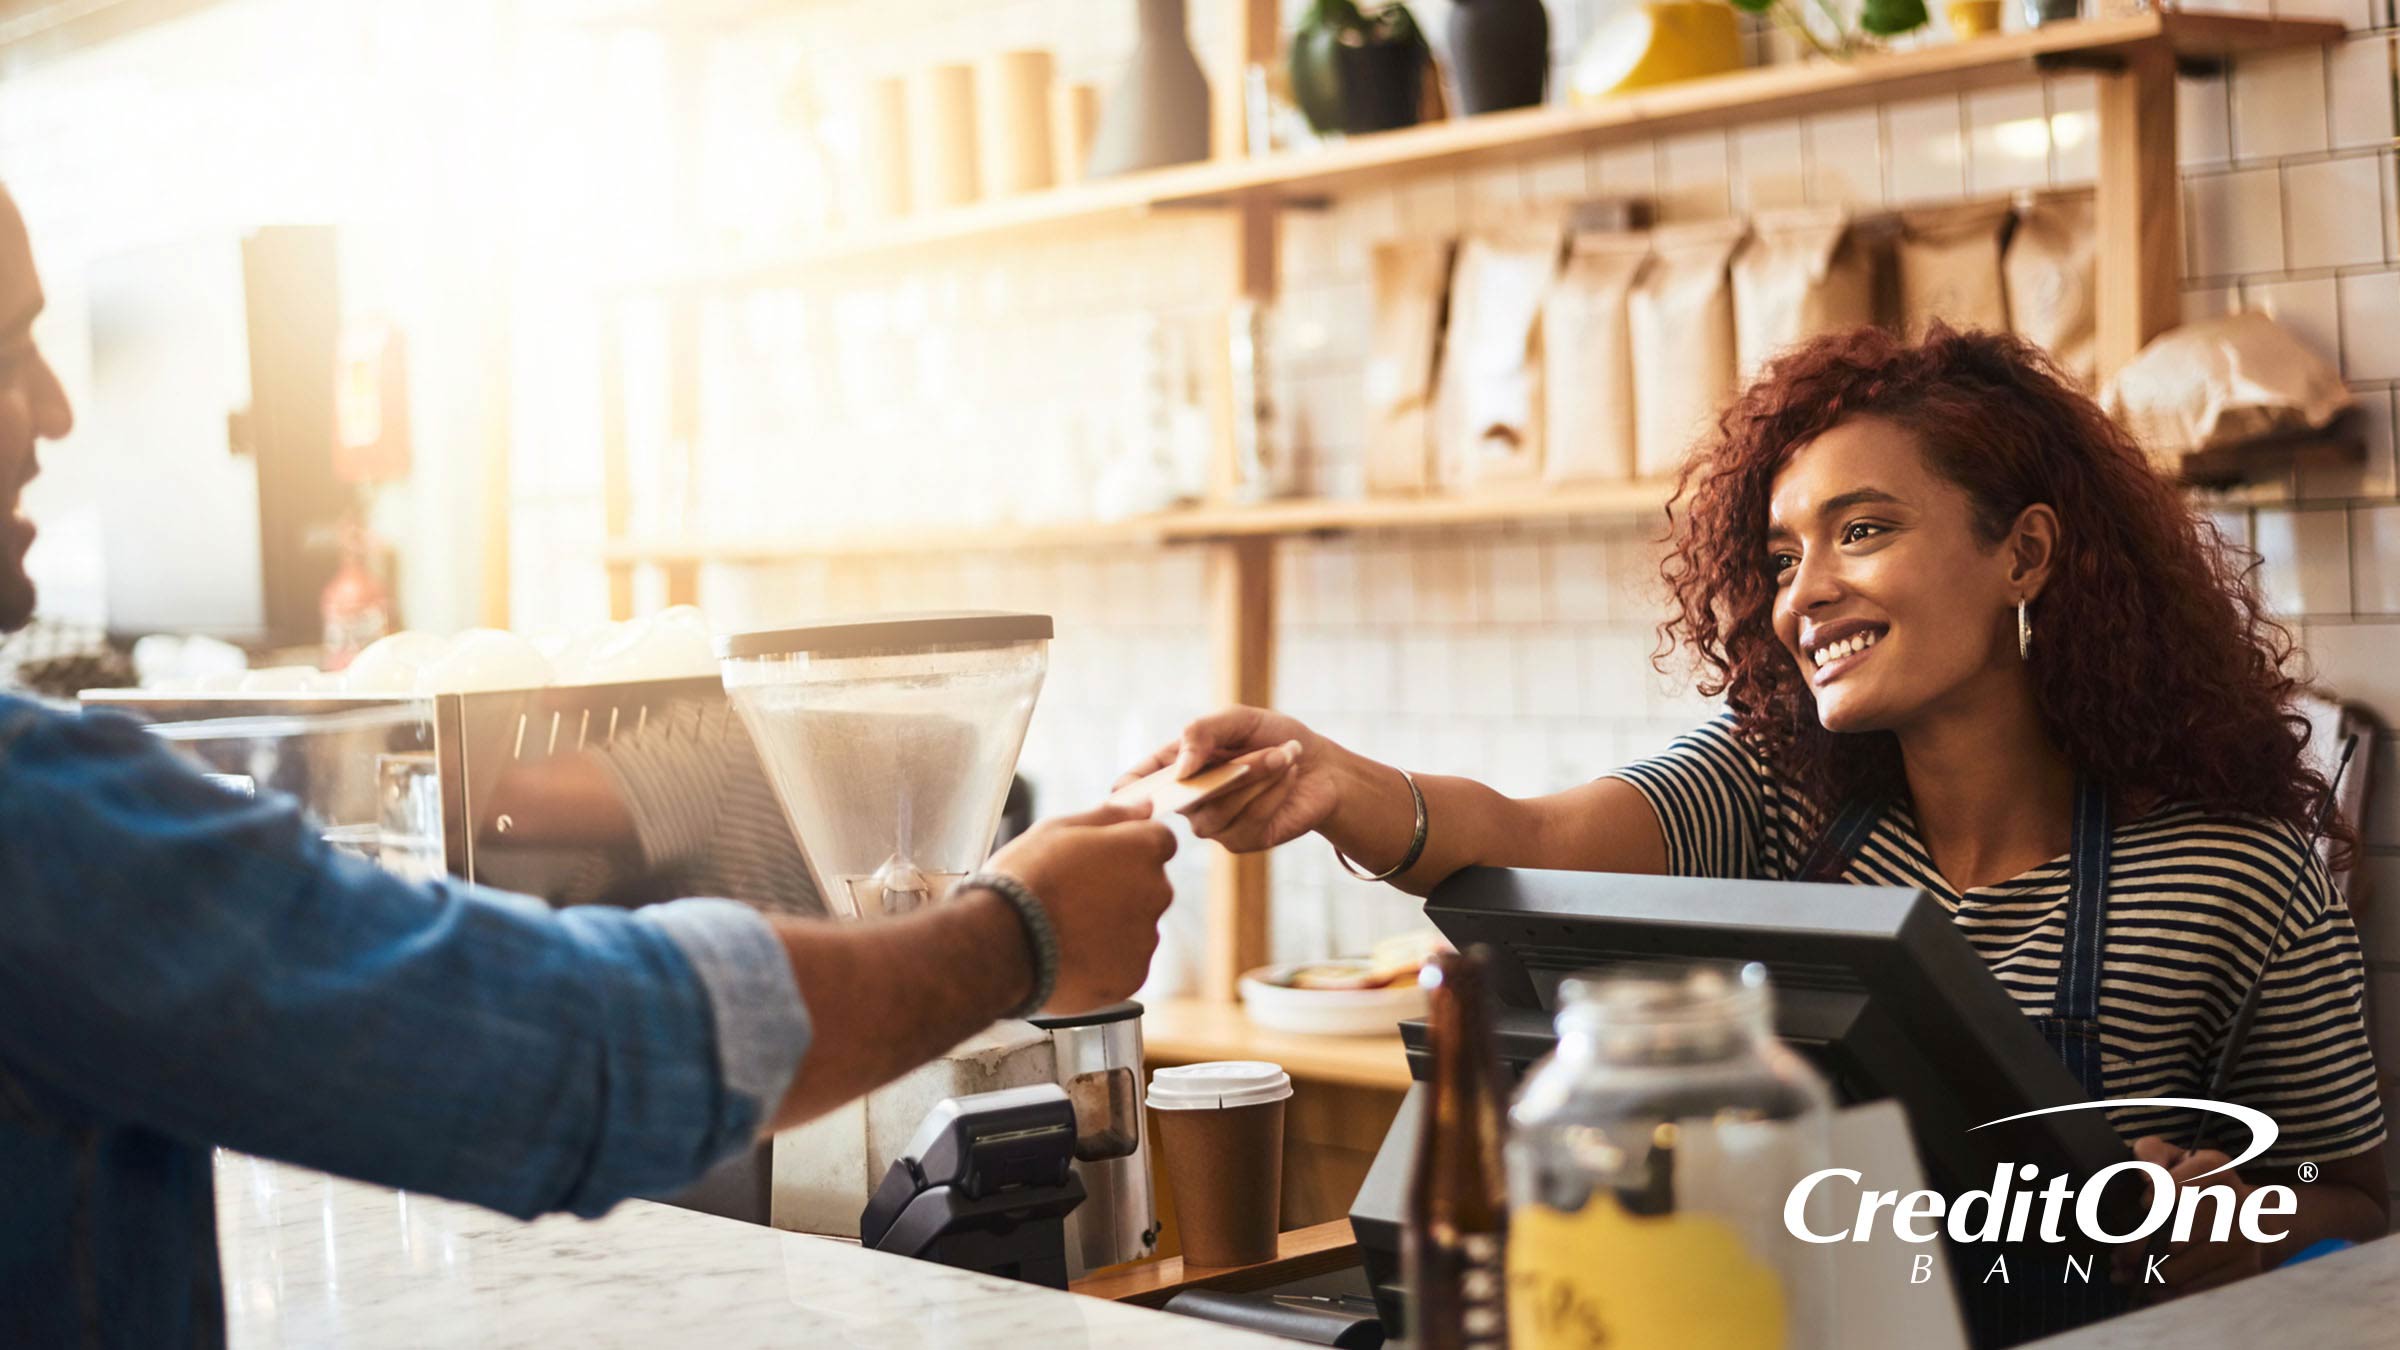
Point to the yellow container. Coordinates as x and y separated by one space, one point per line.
1655 44
1973 18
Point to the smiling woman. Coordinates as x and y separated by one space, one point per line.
1969 642
1959 480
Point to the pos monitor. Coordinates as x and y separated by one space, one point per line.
1874 985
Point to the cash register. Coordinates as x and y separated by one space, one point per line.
1875 985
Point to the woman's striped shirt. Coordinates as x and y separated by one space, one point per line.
2192 900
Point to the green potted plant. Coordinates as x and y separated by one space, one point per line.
1356 70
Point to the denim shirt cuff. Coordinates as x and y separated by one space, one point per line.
762 1027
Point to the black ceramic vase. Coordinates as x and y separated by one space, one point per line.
1382 84
1499 53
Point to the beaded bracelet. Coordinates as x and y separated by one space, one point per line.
1041 940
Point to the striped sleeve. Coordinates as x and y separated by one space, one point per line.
1712 800
2307 1063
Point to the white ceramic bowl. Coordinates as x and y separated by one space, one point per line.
1327 1012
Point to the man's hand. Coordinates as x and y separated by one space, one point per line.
2198 1264
889 995
1102 877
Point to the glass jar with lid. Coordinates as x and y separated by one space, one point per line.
1648 1162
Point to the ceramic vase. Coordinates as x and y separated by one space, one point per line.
1158 114
1499 53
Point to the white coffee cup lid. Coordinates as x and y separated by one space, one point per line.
1208 1087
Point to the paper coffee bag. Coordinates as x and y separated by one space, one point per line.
1412 284
1490 421
1950 267
1802 273
1683 345
2050 289
1588 394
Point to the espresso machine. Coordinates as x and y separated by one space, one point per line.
890 742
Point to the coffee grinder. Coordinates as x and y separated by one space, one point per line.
890 741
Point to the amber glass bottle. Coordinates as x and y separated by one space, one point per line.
1455 1244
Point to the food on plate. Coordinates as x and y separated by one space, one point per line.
1392 965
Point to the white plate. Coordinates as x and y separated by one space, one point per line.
1327 1012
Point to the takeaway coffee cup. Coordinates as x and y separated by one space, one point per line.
1221 1128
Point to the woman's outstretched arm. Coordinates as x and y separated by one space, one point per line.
1301 782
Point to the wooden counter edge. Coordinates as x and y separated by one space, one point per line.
1188 1031
1299 1254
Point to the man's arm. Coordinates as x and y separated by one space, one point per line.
201 964
877 1015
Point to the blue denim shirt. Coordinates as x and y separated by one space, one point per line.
182 967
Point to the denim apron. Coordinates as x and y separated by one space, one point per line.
2040 1299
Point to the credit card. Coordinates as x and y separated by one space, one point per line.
1166 793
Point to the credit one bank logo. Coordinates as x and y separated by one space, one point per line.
2013 1208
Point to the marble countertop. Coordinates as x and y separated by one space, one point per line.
2345 1301
313 1261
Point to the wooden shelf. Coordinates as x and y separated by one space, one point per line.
1785 90
1299 1254
885 543
1188 1031
1297 516
2343 443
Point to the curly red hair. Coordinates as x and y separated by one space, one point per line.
2163 674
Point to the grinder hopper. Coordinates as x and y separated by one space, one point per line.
890 741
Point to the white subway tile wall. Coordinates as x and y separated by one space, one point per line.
2008 147
2311 309
2306 560
1924 157
1845 159
2371 326
2203 122
2234 222
1770 166
2335 213
2279 104
2359 92
2074 102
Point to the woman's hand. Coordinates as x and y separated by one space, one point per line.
1292 787
2198 1264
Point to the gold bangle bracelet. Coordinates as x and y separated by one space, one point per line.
1416 843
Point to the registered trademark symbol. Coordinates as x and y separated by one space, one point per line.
2308 1171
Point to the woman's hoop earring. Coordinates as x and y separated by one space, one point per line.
2024 633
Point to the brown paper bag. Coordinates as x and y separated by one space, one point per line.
1412 282
2049 270
1489 427
1950 267
1802 273
1683 349
1587 360
2222 382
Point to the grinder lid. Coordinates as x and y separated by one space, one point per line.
850 635
1097 1017
1225 1083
